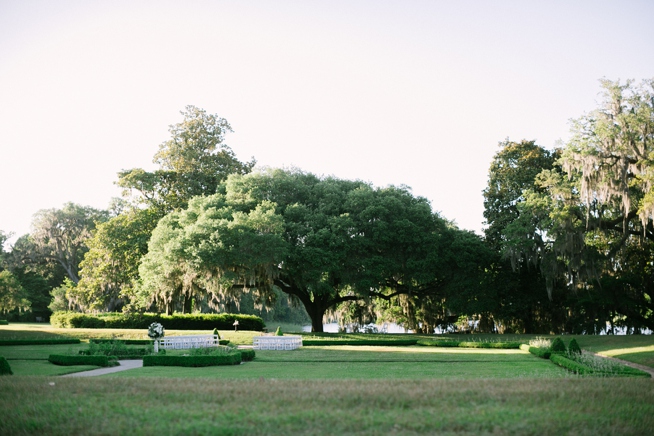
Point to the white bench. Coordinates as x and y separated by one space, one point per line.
276 342
186 342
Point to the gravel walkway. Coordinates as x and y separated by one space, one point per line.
124 366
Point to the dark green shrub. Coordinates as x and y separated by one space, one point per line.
247 355
467 344
4 322
116 349
223 321
558 346
193 361
279 331
38 341
125 341
215 332
5 369
68 360
573 347
543 353
380 342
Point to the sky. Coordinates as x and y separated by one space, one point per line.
414 93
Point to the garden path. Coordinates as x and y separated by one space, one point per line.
124 365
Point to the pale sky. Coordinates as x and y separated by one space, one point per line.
415 93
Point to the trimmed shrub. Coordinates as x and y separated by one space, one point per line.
215 332
5 369
613 370
69 360
279 331
116 349
468 344
247 355
380 342
4 322
573 347
38 341
543 353
193 361
558 346
124 341
224 321
570 364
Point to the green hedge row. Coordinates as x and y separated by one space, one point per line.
193 361
579 368
124 341
247 355
468 344
543 353
221 321
38 341
4 322
5 369
68 360
379 342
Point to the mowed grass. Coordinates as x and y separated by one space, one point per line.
349 362
149 406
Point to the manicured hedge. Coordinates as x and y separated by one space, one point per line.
38 341
5 369
68 360
379 342
247 355
193 361
579 368
543 353
124 341
4 322
221 321
468 344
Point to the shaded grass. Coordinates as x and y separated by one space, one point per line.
45 368
226 407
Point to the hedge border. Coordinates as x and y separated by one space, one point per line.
469 344
70 360
579 368
38 341
5 368
379 342
193 361
4 322
221 321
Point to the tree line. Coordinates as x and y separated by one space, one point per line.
567 247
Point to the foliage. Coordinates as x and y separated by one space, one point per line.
540 342
558 346
142 321
116 348
4 322
62 296
61 234
234 358
216 333
469 344
12 294
543 353
359 342
278 332
193 162
67 360
38 341
573 347
5 368
587 364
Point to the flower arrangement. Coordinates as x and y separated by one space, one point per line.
156 331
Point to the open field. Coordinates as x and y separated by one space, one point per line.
362 390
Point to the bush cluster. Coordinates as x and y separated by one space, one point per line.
116 348
380 342
4 322
558 346
124 341
543 353
467 344
222 321
193 361
68 360
38 341
5 369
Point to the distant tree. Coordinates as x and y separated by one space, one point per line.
321 241
194 161
12 294
109 271
61 234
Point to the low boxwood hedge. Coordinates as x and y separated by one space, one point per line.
5 369
579 368
543 353
124 341
68 360
193 361
379 342
221 321
4 322
467 344
247 355
38 341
